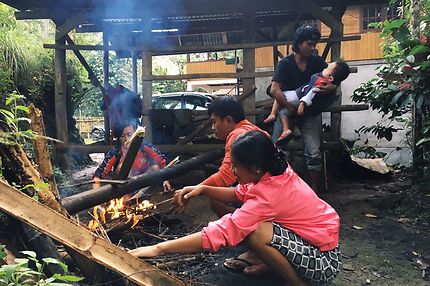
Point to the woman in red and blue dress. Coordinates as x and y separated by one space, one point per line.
148 158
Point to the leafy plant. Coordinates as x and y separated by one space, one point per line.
13 118
402 83
20 273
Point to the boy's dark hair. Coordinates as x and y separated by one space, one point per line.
255 149
305 33
227 106
340 72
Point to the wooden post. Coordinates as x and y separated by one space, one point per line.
147 93
335 119
106 85
134 70
61 100
417 152
146 73
249 61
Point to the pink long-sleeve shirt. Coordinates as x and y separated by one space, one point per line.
285 199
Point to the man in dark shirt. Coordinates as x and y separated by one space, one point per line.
292 72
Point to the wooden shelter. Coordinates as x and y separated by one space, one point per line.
142 29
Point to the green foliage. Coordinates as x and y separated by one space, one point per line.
20 273
403 79
12 116
166 86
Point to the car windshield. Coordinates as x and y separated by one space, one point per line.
181 101
167 103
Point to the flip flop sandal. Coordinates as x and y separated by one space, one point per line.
238 268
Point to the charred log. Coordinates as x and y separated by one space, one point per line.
103 194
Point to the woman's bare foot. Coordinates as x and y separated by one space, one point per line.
270 118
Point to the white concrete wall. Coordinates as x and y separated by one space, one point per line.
354 120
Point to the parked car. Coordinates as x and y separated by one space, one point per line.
182 100
97 133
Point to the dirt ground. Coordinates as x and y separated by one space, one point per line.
385 235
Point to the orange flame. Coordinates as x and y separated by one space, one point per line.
116 209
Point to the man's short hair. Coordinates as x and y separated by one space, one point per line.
227 106
305 33
340 72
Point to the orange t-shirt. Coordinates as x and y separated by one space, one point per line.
224 177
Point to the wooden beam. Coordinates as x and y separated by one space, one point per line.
33 15
69 25
325 52
310 7
91 75
248 103
246 75
69 233
187 49
179 149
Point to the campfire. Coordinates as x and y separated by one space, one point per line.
118 215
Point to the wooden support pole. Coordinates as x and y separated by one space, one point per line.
336 118
134 71
91 75
249 61
106 85
147 93
105 193
61 100
146 56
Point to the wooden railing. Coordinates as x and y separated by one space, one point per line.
86 125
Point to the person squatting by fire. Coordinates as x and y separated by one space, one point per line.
298 240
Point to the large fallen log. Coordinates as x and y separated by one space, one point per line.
62 229
97 196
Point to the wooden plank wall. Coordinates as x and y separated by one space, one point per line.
367 48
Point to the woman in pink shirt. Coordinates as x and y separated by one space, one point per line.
282 220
